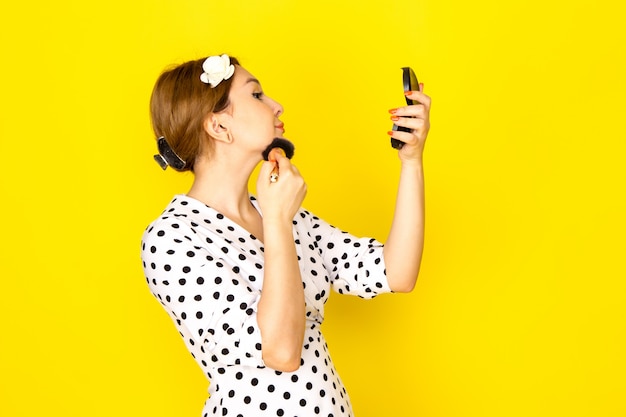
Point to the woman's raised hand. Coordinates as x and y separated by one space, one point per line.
415 117
280 200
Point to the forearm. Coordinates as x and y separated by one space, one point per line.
281 311
405 243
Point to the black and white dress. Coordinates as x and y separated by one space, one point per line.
207 272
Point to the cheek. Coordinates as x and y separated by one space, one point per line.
256 120
265 118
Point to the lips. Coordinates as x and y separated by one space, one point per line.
281 126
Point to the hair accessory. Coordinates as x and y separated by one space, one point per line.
167 156
216 69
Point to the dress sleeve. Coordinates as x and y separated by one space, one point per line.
211 304
355 265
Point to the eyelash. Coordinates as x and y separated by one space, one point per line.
257 95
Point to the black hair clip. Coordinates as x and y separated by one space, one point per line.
167 156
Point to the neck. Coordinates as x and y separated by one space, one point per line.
223 185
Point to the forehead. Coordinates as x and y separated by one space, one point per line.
244 78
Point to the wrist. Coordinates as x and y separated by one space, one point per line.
276 222
415 164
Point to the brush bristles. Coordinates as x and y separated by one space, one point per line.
281 143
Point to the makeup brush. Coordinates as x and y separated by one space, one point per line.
285 147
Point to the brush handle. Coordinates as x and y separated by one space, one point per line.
274 173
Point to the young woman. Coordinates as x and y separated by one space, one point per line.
245 278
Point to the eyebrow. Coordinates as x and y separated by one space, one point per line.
252 80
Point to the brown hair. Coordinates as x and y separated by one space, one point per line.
179 104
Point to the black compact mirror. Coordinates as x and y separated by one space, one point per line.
409 81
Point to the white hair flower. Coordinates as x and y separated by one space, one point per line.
216 69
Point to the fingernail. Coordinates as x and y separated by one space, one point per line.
394 118
390 133
406 93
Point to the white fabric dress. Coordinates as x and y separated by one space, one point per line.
207 272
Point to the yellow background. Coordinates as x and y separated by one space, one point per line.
520 307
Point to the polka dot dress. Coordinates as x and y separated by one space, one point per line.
207 272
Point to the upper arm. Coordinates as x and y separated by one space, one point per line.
212 306
356 265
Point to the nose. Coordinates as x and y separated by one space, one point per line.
277 107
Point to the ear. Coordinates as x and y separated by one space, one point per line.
216 126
